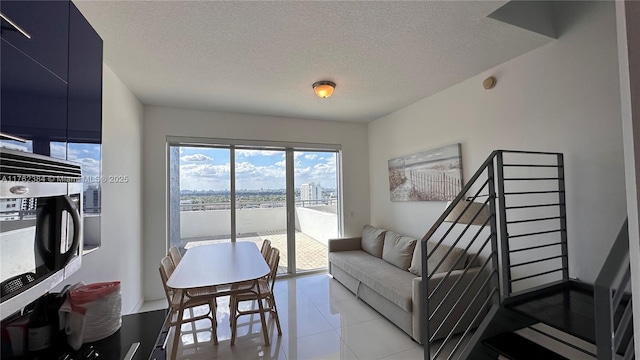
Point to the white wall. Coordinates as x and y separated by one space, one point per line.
562 97
159 122
120 254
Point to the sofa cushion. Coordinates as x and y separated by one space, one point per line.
387 280
398 249
434 260
372 240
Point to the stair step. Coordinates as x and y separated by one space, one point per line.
516 347
568 308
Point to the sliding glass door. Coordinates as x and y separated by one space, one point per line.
200 195
260 192
248 192
316 207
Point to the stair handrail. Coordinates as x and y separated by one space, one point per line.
497 284
457 200
494 294
609 297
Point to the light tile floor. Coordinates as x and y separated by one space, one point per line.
320 319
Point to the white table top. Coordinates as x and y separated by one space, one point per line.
218 264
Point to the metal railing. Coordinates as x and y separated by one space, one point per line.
522 193
533 224
613 308
254 204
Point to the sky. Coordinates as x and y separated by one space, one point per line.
209 169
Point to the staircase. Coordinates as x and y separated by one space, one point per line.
511 220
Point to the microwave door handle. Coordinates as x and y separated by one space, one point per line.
68 205
47 255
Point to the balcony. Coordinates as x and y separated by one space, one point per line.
315 223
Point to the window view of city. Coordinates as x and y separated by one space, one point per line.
307 194
201 200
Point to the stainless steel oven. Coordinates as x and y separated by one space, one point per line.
40 226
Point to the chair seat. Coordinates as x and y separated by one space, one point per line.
250 293
206 291
189 300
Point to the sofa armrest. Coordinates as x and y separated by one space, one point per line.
345 244
447 305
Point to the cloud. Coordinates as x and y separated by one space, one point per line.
252 175
206 171
58 150
311 156
249 153
196 158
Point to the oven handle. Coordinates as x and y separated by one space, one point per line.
71 209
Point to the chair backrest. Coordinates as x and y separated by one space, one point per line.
266 248
273 261
166 269
175 255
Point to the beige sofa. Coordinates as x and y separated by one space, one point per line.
383 269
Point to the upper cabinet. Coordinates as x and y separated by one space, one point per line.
85 81
34 101
40 30
50 75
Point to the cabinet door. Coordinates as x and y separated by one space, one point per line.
47 22
33 100
85 81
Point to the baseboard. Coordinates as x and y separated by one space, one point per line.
137 306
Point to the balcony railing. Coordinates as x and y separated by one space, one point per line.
315 224
255 204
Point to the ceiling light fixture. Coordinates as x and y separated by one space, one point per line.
324 88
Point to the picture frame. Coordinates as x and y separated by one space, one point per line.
432 175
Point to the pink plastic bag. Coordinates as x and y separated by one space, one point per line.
87 293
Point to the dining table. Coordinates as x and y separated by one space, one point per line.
219 265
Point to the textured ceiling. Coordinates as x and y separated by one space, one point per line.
262 57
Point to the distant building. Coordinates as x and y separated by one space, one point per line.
91 199
310 191
10 209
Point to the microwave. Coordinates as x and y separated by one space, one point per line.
40 226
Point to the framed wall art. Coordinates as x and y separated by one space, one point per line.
433 175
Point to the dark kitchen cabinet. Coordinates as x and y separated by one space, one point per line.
51 91
47 24
84 123
33 100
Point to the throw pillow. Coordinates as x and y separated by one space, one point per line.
398 249
441 251
372 240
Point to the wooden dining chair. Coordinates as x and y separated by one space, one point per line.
261 290
193 298
266 248
175 255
